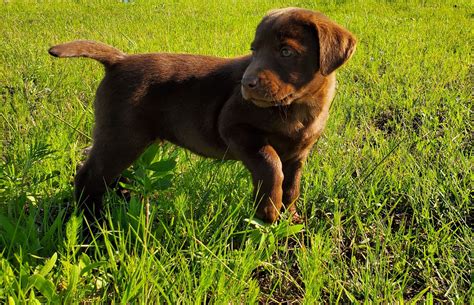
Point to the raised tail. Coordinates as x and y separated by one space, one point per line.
107 55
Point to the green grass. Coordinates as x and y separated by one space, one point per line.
386 192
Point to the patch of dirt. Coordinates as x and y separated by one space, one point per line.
386 119
281 283
280 288
416 123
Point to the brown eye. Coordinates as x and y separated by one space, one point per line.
286 52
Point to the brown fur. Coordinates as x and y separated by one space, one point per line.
266 110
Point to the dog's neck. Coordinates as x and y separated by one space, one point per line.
317 97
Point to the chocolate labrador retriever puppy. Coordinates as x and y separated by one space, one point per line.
266 109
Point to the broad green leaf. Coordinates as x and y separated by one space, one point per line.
50 263
46 287
91 267
161 184
85 259
162 166
11 301
294 229
289 230
128 186
149 154
127 174
256 222
139 174
32 298
32 199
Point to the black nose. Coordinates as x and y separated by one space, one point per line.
250 82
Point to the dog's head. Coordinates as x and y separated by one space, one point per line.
291 48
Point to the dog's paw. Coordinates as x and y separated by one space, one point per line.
296 218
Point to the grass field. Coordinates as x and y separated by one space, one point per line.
386 192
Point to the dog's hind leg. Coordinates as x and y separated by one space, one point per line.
113 151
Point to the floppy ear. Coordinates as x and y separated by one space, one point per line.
336 44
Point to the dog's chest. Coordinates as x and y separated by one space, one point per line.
299 122
296 132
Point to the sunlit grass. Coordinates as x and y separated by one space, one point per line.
386 192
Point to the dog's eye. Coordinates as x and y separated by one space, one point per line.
286 52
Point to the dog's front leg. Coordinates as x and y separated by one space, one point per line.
291 185
264 164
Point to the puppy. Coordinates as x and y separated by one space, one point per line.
266 109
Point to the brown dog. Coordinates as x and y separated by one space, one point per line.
266 110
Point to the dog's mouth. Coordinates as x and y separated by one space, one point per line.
268 101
